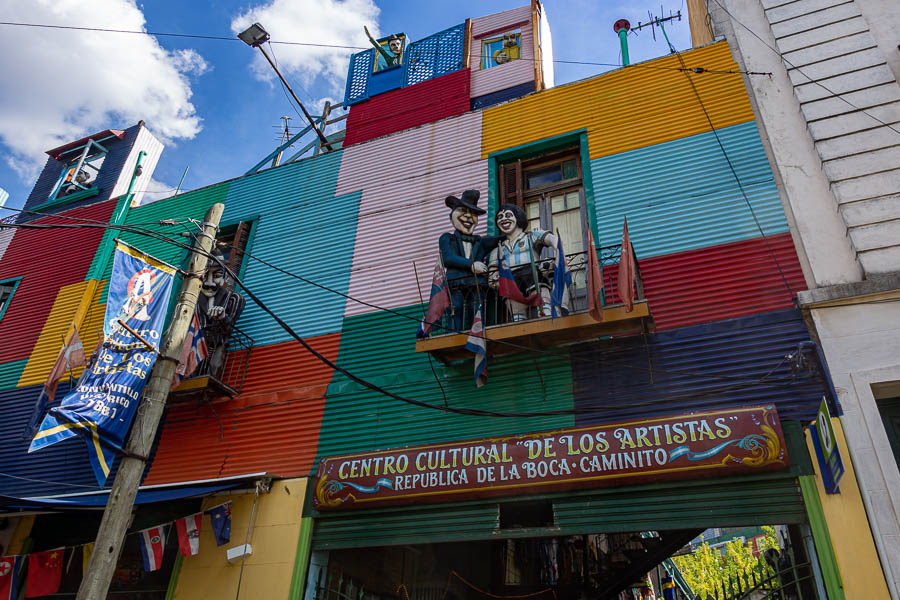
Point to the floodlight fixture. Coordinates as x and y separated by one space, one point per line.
254 35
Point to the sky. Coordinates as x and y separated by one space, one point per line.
215 104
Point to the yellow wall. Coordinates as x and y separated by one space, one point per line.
268 571
75 303
645 104
849 529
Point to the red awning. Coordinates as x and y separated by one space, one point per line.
57 152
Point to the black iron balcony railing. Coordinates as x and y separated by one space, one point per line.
501 321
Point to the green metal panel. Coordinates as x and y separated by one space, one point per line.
301 560
11 372
821 538
720 503
395 527
380 347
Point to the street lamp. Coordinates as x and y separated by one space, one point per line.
255 36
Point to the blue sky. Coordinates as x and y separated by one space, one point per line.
214 103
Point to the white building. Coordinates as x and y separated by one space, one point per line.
830 117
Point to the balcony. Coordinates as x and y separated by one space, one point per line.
204 383
505 336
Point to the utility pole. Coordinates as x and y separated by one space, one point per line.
117 515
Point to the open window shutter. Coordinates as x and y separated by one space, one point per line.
239 243
511 184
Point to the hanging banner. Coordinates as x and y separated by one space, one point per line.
103 405
715 443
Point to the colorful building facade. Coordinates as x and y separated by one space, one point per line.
342 245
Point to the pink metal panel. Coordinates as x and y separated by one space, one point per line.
511 74
401 215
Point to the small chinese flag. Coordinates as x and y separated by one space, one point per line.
44 573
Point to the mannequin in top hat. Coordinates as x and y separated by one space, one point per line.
464 255
218 307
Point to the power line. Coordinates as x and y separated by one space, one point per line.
733 171
338 46
374 387
810 79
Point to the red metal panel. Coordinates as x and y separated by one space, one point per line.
722 282
272 426
408 107
46 259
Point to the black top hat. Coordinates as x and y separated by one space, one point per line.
469 200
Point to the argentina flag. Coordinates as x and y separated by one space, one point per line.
103 406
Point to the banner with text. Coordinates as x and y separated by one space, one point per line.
723 442
103 405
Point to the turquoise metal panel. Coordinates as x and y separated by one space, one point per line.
681 195
303 229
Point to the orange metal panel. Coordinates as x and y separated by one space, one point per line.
272 426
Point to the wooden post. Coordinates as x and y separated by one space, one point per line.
698 18
117 515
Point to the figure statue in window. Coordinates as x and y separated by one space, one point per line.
218 308
395 45
520 252
464 256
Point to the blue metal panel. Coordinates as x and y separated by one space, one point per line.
681 195
304 229
493 98
714 365
106 179
435 55
384 81
59 469
358 77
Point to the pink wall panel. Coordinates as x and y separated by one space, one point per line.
511 74
402 215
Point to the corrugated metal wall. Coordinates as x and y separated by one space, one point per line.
513 73
629 108
70 308
47 260
380 347
408 107
403 203
682 195
713 365
153 148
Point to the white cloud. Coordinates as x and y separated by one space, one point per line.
157 190
62 85
334 22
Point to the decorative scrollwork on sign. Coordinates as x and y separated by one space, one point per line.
327 490
763 449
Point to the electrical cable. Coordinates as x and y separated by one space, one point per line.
447 329
809 79
235 39
734 173
462 411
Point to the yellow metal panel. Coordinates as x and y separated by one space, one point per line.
848 527
73 303
630 108
268 571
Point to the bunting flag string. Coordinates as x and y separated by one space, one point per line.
45 568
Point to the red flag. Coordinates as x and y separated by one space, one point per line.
595 281
509 289
437 302
9 577
44 573
70 357
189 534
625 282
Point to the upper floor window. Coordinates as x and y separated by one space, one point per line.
501 49
79 173
7 289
